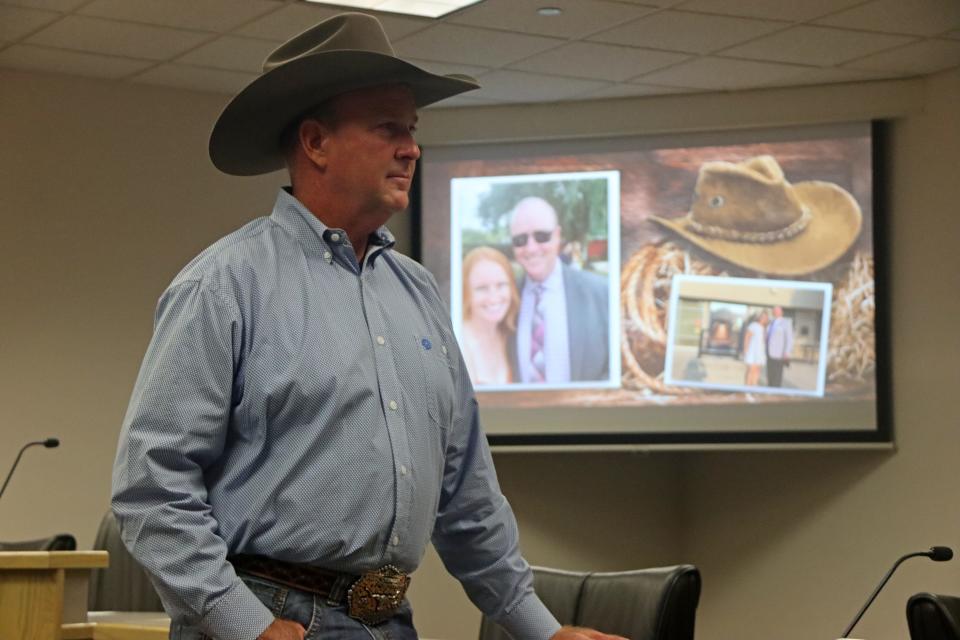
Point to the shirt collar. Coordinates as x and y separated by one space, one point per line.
553 282
310 231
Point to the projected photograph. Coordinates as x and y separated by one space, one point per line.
786 210
750 335
534 279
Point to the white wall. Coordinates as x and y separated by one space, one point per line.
105 192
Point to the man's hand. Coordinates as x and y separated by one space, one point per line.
582 633
283 630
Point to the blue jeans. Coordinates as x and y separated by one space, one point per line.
321 620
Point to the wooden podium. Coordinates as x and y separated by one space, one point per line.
40 591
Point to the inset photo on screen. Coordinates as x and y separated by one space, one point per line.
535 279
749 335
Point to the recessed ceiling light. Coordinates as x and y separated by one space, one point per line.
549 11
422 8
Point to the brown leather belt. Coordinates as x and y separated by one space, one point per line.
371 598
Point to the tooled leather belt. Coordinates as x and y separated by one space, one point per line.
371 598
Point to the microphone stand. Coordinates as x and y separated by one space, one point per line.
873 596
49 443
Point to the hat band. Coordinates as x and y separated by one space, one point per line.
758 237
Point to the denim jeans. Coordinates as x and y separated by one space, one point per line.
321 620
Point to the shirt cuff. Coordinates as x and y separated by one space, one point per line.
238 615
530 620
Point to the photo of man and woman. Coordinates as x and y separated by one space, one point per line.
533 279
750 335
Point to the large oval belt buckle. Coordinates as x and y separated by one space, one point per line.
376 595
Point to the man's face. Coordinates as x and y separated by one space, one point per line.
371 149
777 312
536 237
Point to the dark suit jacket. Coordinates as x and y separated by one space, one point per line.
588 326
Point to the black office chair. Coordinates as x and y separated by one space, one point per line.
59 542
124 585
933 617
647 604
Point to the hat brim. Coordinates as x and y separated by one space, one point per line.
245 140
834 226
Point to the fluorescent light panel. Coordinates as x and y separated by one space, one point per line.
423 8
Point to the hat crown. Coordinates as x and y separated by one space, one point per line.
748 197
343 32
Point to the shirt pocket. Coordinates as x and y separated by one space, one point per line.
438 378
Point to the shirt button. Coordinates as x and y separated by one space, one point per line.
443 348
395 541
380 340
335 237
393 405
403 470
327 256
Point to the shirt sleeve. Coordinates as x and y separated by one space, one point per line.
174 429
476 532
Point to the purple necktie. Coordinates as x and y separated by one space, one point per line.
538 356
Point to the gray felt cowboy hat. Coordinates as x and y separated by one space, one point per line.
346 52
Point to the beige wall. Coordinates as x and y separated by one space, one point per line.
105 192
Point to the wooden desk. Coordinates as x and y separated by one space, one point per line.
119 625
42 590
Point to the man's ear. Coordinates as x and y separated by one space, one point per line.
313 137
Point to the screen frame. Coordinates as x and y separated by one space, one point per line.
882 436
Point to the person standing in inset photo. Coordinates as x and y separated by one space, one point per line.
779 347
755 349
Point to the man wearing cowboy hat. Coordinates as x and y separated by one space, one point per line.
302 424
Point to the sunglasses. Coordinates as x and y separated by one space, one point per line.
542 237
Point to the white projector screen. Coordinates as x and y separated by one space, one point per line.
715 288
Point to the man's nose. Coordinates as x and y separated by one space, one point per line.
409 151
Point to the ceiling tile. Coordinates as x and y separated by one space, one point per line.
820 46
927 56
196 78
722 73
468 45
24 56
651 3
52 5
232 53
629 90
296 18
579 17
789 10
15 23
690 32
517 86
117 38
204 15
446 68
599 61
919 17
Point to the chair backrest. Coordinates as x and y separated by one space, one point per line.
647 604
59 542
933 617
124 585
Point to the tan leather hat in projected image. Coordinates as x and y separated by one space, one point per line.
749 214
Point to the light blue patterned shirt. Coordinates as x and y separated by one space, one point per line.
295 405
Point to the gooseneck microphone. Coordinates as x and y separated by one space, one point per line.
49 443
937 554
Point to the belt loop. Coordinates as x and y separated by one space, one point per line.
339 590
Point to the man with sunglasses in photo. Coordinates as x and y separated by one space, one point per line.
563 326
